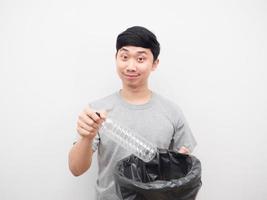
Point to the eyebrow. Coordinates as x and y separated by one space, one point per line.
139 52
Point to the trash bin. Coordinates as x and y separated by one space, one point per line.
169 176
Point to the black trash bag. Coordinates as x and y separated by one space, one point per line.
169 176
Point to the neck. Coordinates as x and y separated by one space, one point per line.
136 95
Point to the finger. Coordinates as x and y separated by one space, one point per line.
85 133
92 115
184 150
87 120
103 114
86 126
82 131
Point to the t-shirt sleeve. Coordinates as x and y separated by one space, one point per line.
183 135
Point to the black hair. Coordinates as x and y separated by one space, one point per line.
140 37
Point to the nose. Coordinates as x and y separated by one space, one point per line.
131 66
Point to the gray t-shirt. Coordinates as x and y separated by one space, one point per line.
158 121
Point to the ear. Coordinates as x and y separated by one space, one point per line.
155 65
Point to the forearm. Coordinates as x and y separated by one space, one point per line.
80 156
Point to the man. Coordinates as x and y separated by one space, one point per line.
135 106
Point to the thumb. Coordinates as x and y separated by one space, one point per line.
102 114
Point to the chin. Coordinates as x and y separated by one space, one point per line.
131 85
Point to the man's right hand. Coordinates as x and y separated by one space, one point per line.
89 122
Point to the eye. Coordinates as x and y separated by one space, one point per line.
140 59
124 57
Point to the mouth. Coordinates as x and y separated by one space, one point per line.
131 76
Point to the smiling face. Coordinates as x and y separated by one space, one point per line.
134 65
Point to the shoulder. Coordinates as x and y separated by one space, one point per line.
167 104
169 107
106 102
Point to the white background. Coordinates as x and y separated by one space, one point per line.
58 55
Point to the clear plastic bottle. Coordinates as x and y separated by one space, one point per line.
136 144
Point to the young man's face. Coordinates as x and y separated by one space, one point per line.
134 65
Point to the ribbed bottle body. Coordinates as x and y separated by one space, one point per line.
133 142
